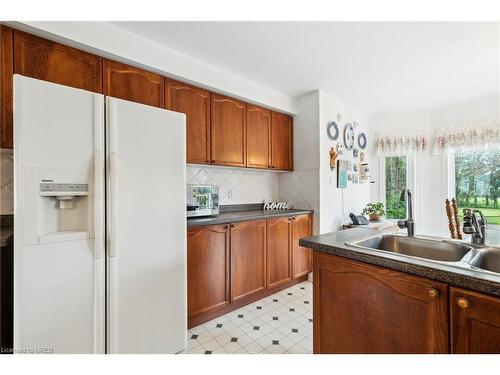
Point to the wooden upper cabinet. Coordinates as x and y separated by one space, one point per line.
301 256
227 136
130 83
279 232
258 137
207 269
50 61
475 322
360 308
195 103
248 258
6 88
281 141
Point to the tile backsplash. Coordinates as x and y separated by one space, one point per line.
236 186
302 189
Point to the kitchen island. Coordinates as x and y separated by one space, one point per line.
370 300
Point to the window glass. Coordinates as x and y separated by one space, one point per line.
395 182
477 183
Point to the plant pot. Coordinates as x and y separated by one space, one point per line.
374 217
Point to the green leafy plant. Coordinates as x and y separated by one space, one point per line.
374 208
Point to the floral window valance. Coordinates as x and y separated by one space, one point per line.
401 145
468 138
455 139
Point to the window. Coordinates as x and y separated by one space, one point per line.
395 182
477 182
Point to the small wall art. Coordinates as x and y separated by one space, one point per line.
333 158
342 168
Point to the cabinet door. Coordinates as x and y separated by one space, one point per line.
127 82
248 258
278 251
258 137
6 86
281 141
301 256
49 61
475 322
195 103
360 308
207 268
227 137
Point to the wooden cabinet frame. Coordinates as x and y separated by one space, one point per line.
174 102
40 58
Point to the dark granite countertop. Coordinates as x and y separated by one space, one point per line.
335 244
245 215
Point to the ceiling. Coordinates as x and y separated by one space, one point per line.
378 67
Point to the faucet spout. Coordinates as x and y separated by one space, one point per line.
476 228
409 223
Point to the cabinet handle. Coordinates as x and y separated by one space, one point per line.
232 225
463 303
432 292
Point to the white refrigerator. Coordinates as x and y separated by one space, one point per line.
100 226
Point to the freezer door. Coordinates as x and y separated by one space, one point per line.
59 263
146 246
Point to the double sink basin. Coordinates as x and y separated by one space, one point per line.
460 254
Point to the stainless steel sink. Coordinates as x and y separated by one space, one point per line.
487 259
418 247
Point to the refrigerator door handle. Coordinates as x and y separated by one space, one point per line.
113 191
98 203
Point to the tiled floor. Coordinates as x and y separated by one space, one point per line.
281 323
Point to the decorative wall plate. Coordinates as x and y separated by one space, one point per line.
355 153
362 141
332 130
348 136
340 148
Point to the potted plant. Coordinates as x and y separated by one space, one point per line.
374 210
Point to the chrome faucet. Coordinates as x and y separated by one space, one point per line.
475 227
409 224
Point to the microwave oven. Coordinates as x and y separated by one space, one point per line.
202 200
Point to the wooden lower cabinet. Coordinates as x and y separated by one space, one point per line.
207 269
230 266
301 256
248 258
360 308
475 322
279 268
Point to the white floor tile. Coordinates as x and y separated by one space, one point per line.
234 332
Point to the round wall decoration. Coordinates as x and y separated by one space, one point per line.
348 136
362 141
333 130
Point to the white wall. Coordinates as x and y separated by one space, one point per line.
302 185
355 196
432 180
312 184
116 43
